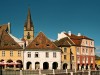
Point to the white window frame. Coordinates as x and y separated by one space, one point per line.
54 54
11 52
29 54
3 53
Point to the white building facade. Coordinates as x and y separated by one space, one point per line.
42 59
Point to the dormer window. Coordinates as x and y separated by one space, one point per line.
36 44
13 44
5 44
47 45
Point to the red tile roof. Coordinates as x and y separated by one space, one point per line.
72 36
64 42
77 39
42 42
3 27
7 42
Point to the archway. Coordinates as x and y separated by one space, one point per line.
82 67
65 66
54 65
45 65
37 65
78 66
20 65
10 65
2 65
91 66
86 66
28 65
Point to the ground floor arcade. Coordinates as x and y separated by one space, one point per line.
10 64
85 66
41 65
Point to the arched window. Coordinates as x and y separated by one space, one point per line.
28 35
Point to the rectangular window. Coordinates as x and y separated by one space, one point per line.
36 54
64 56
78 58
3 53
86 50
54 54
19 53
77 50
11 53
91 51
29 54
65 49
83 51
91 42
91 58
83 58
86 43
87 59
72 57
47 54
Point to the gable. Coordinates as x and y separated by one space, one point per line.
7 42
42 42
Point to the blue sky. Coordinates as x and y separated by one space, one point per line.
54 16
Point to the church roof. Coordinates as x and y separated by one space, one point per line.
28 23
7 42
41 42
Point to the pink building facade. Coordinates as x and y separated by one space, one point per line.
86 54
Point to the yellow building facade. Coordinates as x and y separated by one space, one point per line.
11 53
68 55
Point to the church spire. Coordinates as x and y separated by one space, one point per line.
28 23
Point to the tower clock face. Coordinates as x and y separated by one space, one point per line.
28 36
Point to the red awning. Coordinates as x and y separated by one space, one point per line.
12 63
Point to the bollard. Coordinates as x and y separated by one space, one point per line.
83 72
21 72
89 72
53 72
71 73
40 72
66 71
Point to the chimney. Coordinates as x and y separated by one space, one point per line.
69 33
9 27
79 34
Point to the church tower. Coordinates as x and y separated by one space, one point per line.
28 28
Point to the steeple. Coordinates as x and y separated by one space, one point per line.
28 28
28 23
